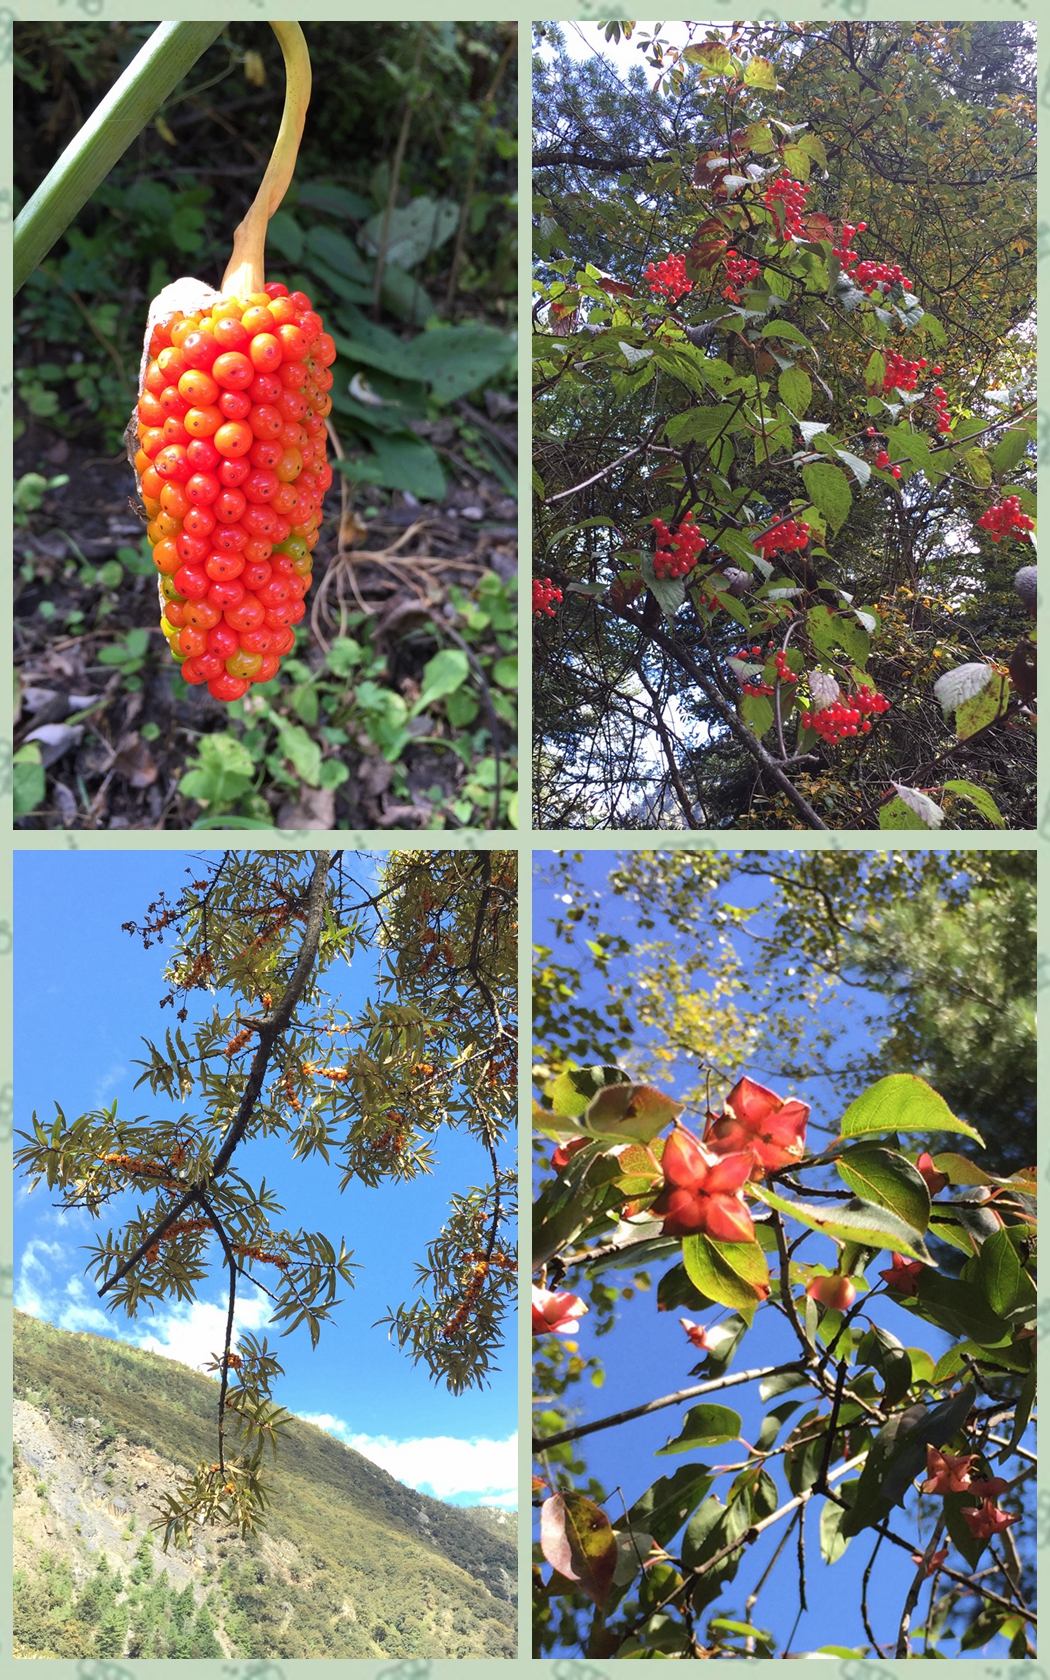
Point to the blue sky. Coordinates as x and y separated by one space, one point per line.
647 1355
86 993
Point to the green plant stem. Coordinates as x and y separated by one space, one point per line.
395 169
136 97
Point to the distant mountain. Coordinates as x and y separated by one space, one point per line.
351 1564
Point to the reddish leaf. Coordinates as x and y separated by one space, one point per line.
577 1540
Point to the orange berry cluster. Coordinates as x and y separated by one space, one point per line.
466 1306
1004 518
740 271
668 278
783 538
135 1165
543 594
787 200
249 1251
678 551
238 1041
232 469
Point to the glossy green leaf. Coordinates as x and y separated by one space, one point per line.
854 1221
664 1507
902 1103
884 1176
828 487
734 1279
832 1541
703 1426
629 1111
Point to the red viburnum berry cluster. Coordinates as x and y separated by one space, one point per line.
784 671
783 538
901 375
668 278
787 200
740 271
847 716
878 276
944 423
1004 518
678 551
543 594
849 259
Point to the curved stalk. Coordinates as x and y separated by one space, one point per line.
245 271
170 52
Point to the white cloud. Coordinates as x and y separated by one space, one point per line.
194 1331
440 1465
190 1332
111 1078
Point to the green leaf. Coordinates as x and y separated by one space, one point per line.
338 252
757 713
890 1358
302 751
759 72
736 610
829 630
409 233
796 388
663 1508
886 1177
577 1540
456 360
575 1088
981 798
785 329
447 671
978 467
901 1102
737 1279
832 1541
1009 452
1000 1276
222 772
895 814
984 708
704 1426
538 485
29 780
855 1221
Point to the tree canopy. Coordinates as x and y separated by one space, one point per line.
784 396
273 1057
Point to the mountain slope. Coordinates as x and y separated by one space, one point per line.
352 1563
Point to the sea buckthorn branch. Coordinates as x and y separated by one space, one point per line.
271 1025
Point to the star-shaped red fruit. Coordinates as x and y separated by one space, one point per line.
702 1191
759 1122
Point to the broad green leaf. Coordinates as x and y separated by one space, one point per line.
703 1426
734 608
711 56
663 1508
978 467
758 72
886 1177
828 487
901 1102
442 675
575 1088
984 708
981 798
854 1221
786 329
890 1358
576 1538
757 713
772 1422
998 1273
1009 451
723 1281
796 389
829 630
